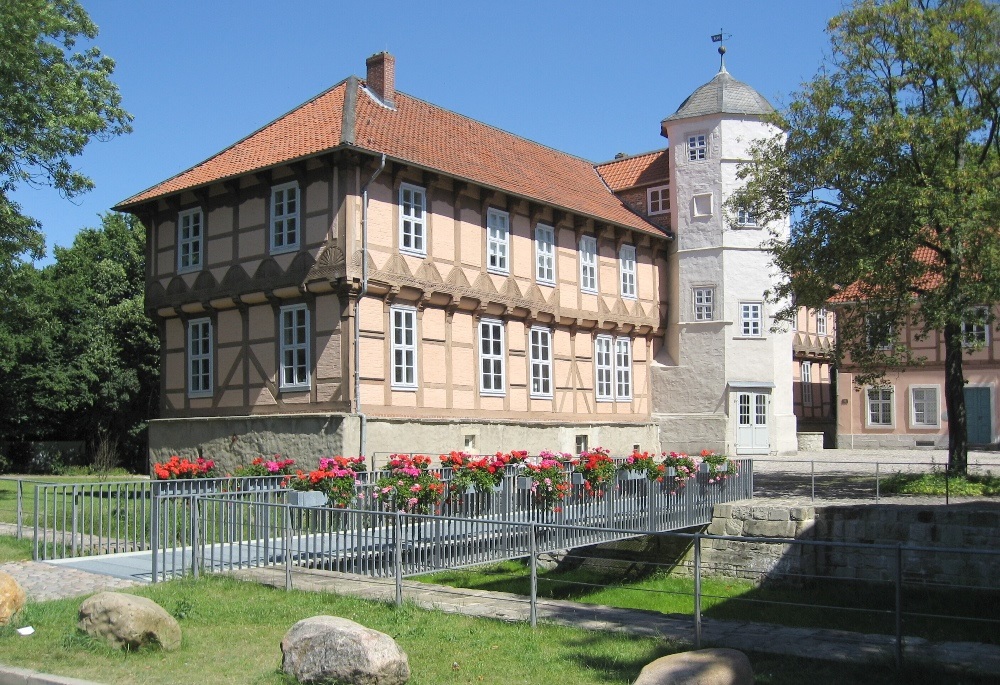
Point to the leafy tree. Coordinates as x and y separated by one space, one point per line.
54 98
890 170
84 359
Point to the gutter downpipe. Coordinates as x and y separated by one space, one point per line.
357 311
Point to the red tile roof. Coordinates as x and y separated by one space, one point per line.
928 280
638 170
422 134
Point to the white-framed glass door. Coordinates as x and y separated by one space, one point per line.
752 430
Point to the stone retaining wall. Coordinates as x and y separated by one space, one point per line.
959 526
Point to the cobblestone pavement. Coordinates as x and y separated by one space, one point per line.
830 645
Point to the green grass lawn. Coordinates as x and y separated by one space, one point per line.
232 631
934 484
845 605
12 549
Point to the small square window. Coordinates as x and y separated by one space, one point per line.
658 200
745 218
582 443
924 406
697 147
975 329
751 317
704 304
879 406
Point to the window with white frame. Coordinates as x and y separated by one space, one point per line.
924 406
189 240
697 147
545 254
821 322
200 358
412 219
540 356
604 369
879 406
612 369
403 321
807 388
285 217
491 357
746 218
751 317
704 304
497 241
658 200
588 264
623 369
294 349
974 328
626 267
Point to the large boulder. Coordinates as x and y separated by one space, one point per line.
701 667
12 597
333 649
129 622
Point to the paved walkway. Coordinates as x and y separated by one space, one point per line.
831 645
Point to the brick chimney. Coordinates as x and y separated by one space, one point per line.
382 76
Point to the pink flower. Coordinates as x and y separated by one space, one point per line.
415 488
412 501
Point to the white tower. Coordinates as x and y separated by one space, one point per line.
723 380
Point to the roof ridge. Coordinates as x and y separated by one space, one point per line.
235 143
628 157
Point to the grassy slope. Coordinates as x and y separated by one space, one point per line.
232 633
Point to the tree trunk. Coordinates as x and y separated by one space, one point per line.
954 394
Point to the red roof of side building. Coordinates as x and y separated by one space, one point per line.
930 279
638 170
421 134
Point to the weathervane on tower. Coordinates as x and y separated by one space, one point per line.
718 38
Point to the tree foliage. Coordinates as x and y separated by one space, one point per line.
890 170
78 350
54 98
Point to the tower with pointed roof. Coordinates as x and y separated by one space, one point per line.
723 379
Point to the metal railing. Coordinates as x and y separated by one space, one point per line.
96 518
247 529
845 480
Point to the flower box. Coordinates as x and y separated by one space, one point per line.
578 479
169 488
705 467
525 482
307 498
498 488
671 472
631 474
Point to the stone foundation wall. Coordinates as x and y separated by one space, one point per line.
232 441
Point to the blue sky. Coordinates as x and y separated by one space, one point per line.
588 78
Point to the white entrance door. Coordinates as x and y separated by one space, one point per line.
751 423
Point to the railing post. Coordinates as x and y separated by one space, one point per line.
697 590
812 477
154 530
899 605
878 485
34 551
20 508
74 527
286 543
947 494
196 553
534 576
398 558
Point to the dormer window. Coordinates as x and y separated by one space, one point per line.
697 147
